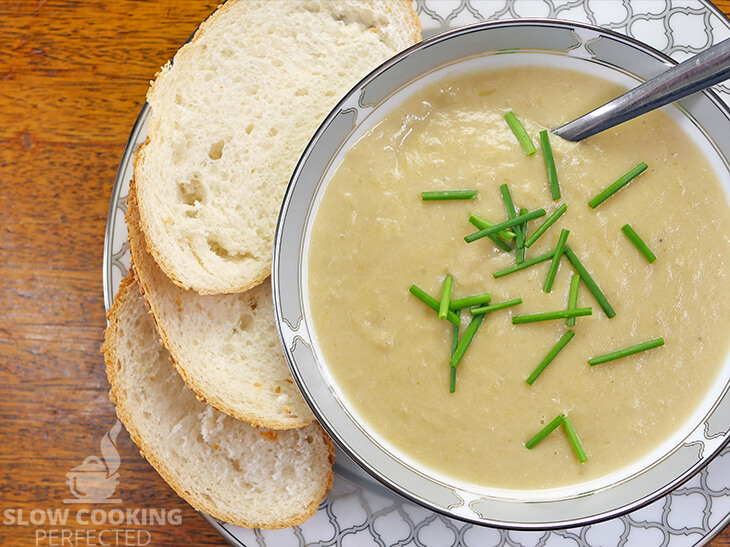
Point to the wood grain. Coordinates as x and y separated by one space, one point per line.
73 76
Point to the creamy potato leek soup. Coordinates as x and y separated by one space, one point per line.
374 237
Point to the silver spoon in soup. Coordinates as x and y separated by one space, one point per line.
708 68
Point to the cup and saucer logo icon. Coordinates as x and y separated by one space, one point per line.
96 479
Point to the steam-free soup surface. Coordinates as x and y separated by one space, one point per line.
373 237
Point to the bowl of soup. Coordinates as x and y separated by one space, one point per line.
418 334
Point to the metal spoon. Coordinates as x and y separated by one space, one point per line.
701 71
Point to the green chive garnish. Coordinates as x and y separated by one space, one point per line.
497 306
550 315
469 301
526 264
638 243
573 298
618 354
455 335
616 186
544 432
564 420
521 219
520 133
520 242
552 171
482 223
463 345
511 214
445 297
557 348
432 303
588 280
508 203
553 271
574 440
448 194
549 221
454 344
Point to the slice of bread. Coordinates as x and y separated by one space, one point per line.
225 346
257 478
231 116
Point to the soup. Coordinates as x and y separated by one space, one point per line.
373 237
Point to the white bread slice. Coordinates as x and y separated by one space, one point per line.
250 477
230 118
225 346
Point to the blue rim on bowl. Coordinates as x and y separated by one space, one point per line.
482 46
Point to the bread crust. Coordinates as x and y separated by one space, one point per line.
415 21
235 516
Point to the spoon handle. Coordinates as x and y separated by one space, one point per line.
701 71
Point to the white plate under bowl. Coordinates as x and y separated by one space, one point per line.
491 45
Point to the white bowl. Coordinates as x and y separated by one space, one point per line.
484 46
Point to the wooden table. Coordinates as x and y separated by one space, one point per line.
73 76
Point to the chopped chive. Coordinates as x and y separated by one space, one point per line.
573 298
520 133
552 171
520 243
448 194
618 354
564 420
544 432
432 303
508 203
497 306
509 207
638 243
445 297
454 344
549 221
553 271
574 440
526 264
506 224
482 223
469 334
469 301
455 335
550 315
557 348
588 280
616 186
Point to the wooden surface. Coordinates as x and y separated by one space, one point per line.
73 76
